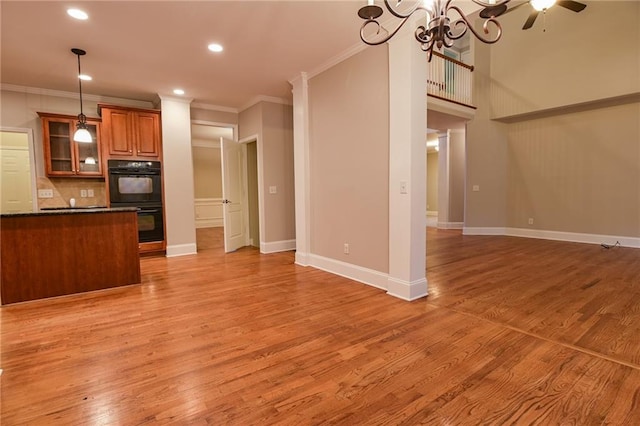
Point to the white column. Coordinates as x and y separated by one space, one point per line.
443 179
407 167
178 176
301 167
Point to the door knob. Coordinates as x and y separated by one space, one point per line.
226 202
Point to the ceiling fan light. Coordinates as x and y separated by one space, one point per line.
541 5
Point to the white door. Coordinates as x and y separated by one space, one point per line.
15 173
232 195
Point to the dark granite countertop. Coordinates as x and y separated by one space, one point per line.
68 210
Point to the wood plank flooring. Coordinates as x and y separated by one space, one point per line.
514 331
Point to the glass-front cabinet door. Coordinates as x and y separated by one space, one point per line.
63 156
88 154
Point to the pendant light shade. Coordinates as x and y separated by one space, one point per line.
82 133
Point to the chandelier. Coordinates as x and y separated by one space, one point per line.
439 30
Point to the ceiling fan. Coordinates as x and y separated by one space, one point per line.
538 6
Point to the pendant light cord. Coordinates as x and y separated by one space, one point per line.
80 86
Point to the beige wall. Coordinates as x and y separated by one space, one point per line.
569 166
577 172
486 150
432 181
273 125
349 160
277 139
579 58
207 172
250 121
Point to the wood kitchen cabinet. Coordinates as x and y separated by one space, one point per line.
131 133
62 155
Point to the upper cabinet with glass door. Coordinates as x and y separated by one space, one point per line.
63 156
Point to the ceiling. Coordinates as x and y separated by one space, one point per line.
139 50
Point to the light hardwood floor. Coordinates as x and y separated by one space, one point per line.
514 331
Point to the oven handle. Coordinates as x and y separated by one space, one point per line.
134 172
141 210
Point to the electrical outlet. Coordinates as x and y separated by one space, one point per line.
346 248
90 193
273 189
530 221
83 193
476 188
45 193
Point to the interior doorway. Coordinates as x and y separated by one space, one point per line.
253 201
207 178
209 181
18 191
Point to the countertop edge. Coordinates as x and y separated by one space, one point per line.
71 211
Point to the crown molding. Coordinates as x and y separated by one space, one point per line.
74 95
263 98
211 107
344 55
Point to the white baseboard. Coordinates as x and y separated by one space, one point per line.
476 230
302 259
354 272
277 246
450 225
573 237
406 290
181 250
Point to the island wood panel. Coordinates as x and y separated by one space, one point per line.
53 255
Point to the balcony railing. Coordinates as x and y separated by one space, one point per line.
450 80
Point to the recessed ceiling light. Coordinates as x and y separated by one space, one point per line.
85 77
215 47
178 91
78 14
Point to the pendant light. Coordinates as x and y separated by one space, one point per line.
82 133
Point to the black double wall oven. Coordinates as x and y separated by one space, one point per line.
139 184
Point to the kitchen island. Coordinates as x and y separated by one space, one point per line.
58 252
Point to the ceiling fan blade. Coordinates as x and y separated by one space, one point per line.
571 5
530 20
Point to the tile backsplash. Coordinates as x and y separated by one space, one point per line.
66 188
